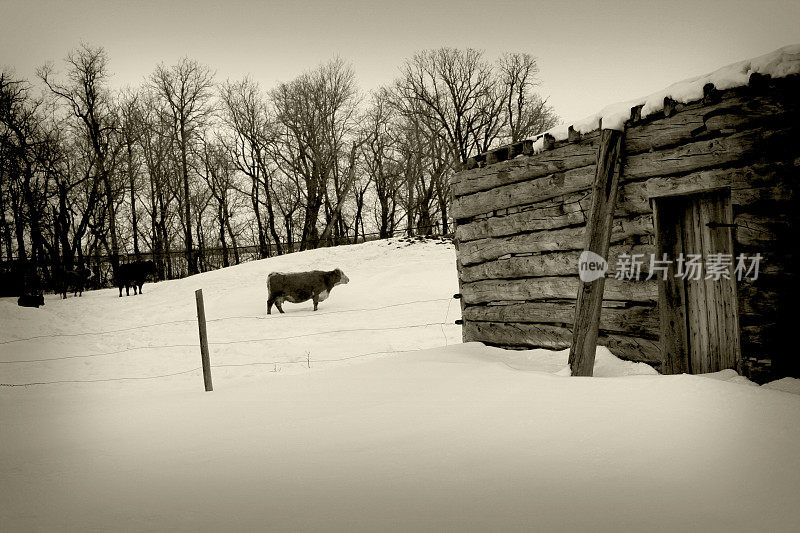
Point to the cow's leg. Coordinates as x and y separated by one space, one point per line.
127 290
140 287
270 301
315 299
120 291
279 304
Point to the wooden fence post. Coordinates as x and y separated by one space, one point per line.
201 323
598 229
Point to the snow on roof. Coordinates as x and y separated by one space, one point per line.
778 64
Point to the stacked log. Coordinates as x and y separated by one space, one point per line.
521 221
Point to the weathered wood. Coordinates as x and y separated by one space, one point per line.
710 94
722 295
527 147
636 114
521 193
696 299
551 214
559 338
756 231
490 290
699 316
669 106
549 264
560 159
755 184
459 271
598 229
744 140
757 299
482 250
744 146
736 110
671 292
204 356
636 319
759 81
742 179
749 184
760 336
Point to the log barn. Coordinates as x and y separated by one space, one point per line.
707 168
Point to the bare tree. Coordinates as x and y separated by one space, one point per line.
219 177
130 129
526 113
187 88
86 94
456 89
316 116
382 161
250 127
155 144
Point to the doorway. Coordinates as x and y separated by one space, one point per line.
699 310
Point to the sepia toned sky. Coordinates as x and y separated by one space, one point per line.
590 53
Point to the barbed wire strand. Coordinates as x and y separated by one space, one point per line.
313 314
87 333
305 361
100 354
192 320
97 380
313 334
224 365
135 348
446 314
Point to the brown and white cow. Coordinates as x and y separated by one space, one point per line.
298 287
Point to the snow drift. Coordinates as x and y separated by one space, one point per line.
312 434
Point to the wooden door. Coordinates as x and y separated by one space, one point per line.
699 317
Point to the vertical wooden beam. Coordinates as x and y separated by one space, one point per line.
201 323
669 230
598 230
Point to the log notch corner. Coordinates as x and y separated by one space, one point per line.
598 235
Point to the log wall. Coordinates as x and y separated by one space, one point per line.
521 219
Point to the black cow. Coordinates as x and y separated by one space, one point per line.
299 287
12 283
134 275
30 300
75 279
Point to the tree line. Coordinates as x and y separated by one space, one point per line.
186 162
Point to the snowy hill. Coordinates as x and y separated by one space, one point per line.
367 415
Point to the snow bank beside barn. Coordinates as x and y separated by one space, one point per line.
463 437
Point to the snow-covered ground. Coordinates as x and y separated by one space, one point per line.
425 435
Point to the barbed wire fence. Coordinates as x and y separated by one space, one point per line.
257 340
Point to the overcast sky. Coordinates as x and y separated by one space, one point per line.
590 53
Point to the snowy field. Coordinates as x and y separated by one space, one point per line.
368 415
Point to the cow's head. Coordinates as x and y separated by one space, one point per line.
341 276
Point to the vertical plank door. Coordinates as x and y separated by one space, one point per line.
699 314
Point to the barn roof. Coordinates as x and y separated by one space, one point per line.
778 64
